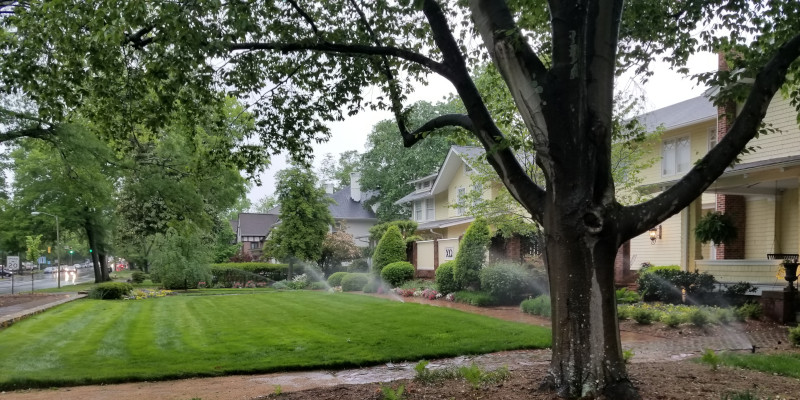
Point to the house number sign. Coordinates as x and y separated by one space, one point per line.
448 253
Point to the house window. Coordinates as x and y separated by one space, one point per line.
467 168
675 156
426 184
460 194
255 245
478 188
429 215
418 210
712 137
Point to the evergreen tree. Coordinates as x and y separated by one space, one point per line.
391 248
472 255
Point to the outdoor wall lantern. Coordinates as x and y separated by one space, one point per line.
655 234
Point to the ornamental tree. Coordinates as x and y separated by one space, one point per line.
305 63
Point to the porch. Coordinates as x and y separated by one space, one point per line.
759 272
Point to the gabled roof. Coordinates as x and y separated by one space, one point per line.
446 172
680 114
347 208
444 223
451 163
256 224
234 224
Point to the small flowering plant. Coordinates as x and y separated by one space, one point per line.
261 284
450 297
250 285
202 285
237 285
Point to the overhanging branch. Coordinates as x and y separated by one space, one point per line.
346 49
638 218
442 121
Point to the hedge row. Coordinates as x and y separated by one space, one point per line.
275 272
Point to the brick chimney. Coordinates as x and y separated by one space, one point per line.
732 205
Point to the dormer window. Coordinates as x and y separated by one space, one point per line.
426 184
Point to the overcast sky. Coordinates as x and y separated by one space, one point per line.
664 88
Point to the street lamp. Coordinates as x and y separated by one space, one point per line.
58 245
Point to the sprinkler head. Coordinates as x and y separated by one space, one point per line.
753 349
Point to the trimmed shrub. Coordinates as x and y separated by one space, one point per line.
749 310
280 285
445 280
391 248
138 277
358 265
507 282
372 286
644 316
794 336
699 318
354 282
672 320
336 278
480 299
318 286
624 312
537 306
275 272
110 290
665 284
397 273
471 255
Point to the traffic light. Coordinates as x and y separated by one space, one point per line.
91 251
48 249
71 251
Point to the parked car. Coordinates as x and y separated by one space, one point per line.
50 270
6 274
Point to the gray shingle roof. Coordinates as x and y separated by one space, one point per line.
684 113
346 208
256 224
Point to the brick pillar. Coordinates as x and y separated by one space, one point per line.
414 255
622 264
735 207
513 252
435 254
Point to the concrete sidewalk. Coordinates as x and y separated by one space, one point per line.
13 313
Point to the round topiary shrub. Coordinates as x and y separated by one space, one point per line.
398 273
354 282
110 290
445 282
138 277
507 282
336 278
391 248
471 255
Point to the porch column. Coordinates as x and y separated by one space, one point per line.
435 254
735 207
692 249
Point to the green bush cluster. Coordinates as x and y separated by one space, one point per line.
749 311
507 282
373 285
625 296
475 298
665 284
391 248
336 278
138 277
539 305
445 281
471 255
397 273
318 286
225 277
110 290
354 282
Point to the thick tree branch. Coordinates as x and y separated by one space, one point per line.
305 16
137 39
523 72
637 219
441 121
498 154
347 49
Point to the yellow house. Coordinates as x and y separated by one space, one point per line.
439 205
760 193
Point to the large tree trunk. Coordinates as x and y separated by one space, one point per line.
587 353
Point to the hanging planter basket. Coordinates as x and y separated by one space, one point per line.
715 227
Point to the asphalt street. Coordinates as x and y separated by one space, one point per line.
22 283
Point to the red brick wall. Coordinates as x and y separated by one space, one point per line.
735 207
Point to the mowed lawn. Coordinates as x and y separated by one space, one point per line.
94 341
